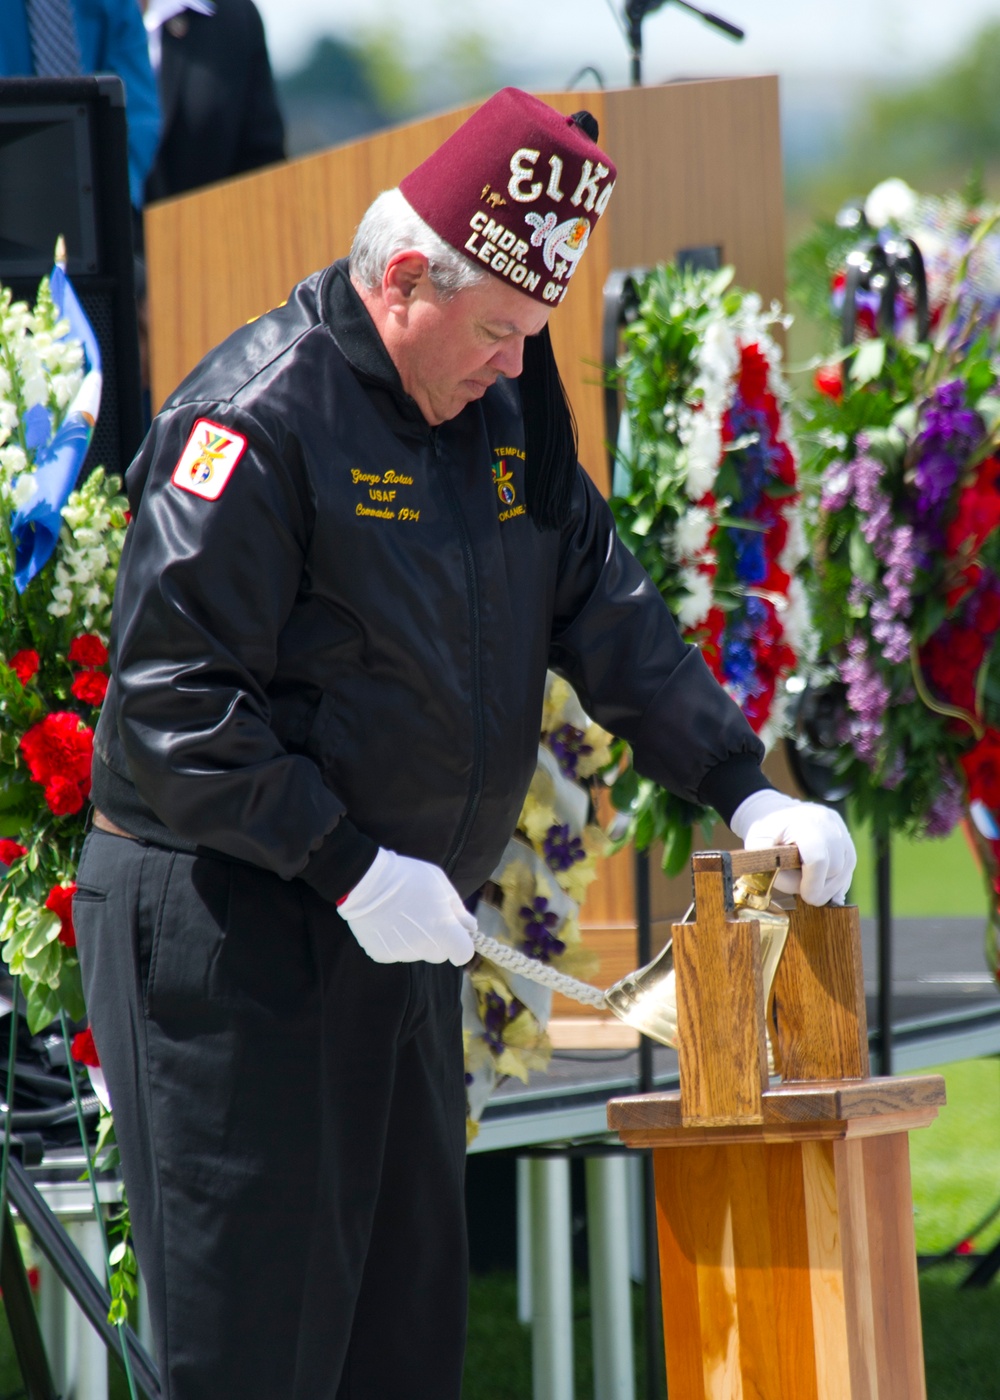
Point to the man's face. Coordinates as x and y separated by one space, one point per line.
448 353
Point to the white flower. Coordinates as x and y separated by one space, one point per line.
719 356
692 532
12 461
796 621
697 603
36 388
8 419
24 489
796 546
704 448
891 202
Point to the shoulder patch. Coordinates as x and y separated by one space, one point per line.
209 459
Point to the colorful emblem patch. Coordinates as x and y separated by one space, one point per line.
209 459
503 480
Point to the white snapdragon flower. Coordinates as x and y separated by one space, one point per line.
8 419
695 606
692 532
13 461
64 387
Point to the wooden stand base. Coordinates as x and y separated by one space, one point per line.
786 1248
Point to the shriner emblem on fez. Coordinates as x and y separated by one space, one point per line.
565 241
503 480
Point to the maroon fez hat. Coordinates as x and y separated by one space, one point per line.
518 188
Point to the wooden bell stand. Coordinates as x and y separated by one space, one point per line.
785 1215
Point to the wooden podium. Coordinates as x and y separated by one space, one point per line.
785 1215
699 166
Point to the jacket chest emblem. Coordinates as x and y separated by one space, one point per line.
386 495
503 480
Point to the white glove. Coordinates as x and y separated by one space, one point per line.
770 818
405 910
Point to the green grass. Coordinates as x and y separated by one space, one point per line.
930 879
959 1340
955 1162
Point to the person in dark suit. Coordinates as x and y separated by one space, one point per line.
220 114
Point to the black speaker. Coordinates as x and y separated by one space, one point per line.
64 170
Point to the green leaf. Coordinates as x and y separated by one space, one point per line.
45 928
71 990
625 790
676 849
863 562
43 1005
869 362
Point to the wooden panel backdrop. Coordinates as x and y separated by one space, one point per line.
699 163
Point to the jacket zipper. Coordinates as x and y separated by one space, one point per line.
479 725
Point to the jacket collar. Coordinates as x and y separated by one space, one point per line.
346 317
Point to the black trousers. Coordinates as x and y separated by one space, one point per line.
291 1117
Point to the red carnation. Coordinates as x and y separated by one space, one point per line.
25 664
829 380
60 901
88 650
83 1049
90 687
10 851
58 752
982 770
978 513
753 376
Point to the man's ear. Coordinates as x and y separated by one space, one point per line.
405 273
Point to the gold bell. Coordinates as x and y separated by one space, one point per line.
646 1000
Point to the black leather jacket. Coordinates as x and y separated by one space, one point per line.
347 649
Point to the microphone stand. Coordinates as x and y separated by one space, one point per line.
637 10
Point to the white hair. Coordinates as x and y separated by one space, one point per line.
391 225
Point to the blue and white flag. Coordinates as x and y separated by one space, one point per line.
35 525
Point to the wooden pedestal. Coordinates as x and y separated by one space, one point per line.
785 1214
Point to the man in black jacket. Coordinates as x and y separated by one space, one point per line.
360 536
220 113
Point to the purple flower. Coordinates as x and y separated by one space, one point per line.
948 808
901 558
872 502
950 433
893 636
859 592
562 850
497 1016
568 746
838 486
894 771
867 699
539 922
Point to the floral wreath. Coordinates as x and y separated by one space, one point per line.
901 442
532 902
706 496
